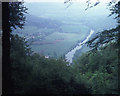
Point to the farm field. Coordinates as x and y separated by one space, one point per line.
57 44
50 40
75 28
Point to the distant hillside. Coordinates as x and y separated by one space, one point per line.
39 22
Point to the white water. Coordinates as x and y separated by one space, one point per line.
70 54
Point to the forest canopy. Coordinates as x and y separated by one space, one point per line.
93 73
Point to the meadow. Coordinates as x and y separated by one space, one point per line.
59 43
50 40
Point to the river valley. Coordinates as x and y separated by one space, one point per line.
69 56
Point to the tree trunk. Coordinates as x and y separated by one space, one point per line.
6 66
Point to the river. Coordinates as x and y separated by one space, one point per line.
69 56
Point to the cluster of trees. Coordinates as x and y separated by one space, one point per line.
93 73
34 74
100 66
99 70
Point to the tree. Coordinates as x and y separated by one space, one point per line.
12 17
20 63
108 36
34 74
6 50
99 71
17 15
52 74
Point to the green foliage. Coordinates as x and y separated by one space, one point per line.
99 70
33 74
103 64
107 36
20 55
16 16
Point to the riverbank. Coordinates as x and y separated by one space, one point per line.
69 56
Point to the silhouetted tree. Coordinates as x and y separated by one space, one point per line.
108 36
13 16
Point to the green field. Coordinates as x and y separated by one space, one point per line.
54 42
74 28
58 48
